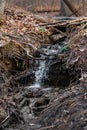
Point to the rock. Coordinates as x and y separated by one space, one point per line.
25 112
58 75
40 104
31 92
24 102
18 97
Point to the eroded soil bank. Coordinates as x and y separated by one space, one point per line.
61 100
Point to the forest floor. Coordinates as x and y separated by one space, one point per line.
61 102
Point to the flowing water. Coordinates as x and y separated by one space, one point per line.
39 74
43 67
34 93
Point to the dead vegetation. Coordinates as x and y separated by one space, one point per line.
69 111
21 35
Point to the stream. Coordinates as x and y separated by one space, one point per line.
43 66
46 89
39 74
32 99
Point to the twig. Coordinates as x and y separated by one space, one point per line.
29 44
59 31
64 22
5 120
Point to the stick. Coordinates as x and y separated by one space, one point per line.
4 121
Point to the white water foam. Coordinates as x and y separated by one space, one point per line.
42 70
40 73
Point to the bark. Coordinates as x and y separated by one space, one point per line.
64 11
71 7
83 3
2 5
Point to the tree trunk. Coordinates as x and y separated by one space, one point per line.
2 5
64 11
83 3
71 7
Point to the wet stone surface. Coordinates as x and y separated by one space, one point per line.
30 107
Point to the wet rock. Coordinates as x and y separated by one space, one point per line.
40 104
25 112
31 92
18 97
58 75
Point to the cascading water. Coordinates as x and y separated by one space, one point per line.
39 73
43 68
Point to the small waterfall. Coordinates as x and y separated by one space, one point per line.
43 68
39 74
